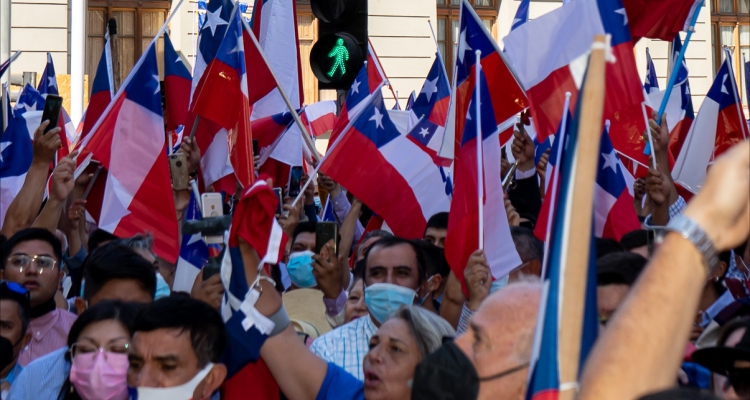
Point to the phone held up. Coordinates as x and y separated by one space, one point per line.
51 113
295 181
280 198
211 207
325 232
178 169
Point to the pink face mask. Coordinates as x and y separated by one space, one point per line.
101 379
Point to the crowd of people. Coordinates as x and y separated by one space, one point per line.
88 315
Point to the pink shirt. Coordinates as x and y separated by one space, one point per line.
48 333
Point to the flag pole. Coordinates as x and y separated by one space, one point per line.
480 162
295 116
673 74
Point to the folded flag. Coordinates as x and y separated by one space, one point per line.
387 171
193 251
102 91
410 102
177 84
651 84
15 157
48 80
320 117
500 99
719 125
129 142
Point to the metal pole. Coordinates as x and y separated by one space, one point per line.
480 162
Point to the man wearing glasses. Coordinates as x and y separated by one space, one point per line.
31 258
14 322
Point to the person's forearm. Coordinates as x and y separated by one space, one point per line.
50 215
74 240
25 207
298 371
641 349
347 229
660 215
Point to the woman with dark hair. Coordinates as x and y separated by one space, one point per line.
98 346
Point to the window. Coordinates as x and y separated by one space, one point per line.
448 24
731 28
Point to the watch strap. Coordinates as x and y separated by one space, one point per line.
690 230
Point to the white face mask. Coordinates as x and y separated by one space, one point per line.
182 392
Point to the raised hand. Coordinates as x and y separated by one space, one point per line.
327 271
523 148
46 145
478 279
192 153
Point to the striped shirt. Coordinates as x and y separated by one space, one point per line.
347 345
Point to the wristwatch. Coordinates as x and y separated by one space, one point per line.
690 230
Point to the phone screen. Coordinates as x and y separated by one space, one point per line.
256 148
325 232
278 196
52 106
295 178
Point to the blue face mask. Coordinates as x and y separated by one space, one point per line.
162 288
300 269
383 299
498 284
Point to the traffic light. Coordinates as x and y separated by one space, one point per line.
341 49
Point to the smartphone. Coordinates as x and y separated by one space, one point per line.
178 170
278 196
325 232
295 181
256 148
212 206
212 268
51 112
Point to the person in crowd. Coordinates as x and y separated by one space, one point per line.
729 360
99 238
436 229
394 271
15 315
368 240
176 351
142 245
355 304
113 273
32 259
531 251
615 275
437 269
657 316
94 364
606 246
636 242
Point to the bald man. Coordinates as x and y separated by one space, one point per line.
497 345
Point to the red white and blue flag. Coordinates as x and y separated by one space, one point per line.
221 97
719 125
501 99
387 171
320 117
102 91
48 85
522 14
128 140
410 101
48 80
279 148
193 251
680 113
430 111
177 84
562 41
651 83
15 155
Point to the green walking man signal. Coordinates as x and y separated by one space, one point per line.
341 54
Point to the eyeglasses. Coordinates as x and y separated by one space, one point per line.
90 351
22 261
15 288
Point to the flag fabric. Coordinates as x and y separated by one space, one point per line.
129 142
48 81
614 214
6 111
680 113
210 137
387 171
430 111
544 370
177 84
375 68
279 148
367 82
522 14
193 251
552 174
651 84
320 117
275 27
221 97
328 215
6 64
102 91
501 99
660 19
719 125
30 106
410 102
15 157
562 41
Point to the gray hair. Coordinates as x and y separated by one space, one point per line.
428 328
138 242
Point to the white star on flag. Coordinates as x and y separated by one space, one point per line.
463 46
622 12
52 81
610 161
378 118
158 87
3 145
213 20
30 107
195 238
424 132
429 88
355 86
178 59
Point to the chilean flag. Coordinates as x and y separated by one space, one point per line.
48 82
719 125
501 99
562 40
30 106
274 160
102 91
387 171
210 136
552 174
221 97
177 83
660 19
193 251
320 117
48 85
430 109
367 82
129 142
15 157
544 371
651 84
522 14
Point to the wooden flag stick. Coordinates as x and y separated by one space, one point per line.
580 211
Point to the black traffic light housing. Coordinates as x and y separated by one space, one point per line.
341 49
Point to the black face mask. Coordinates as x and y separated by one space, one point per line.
447 374
6 353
